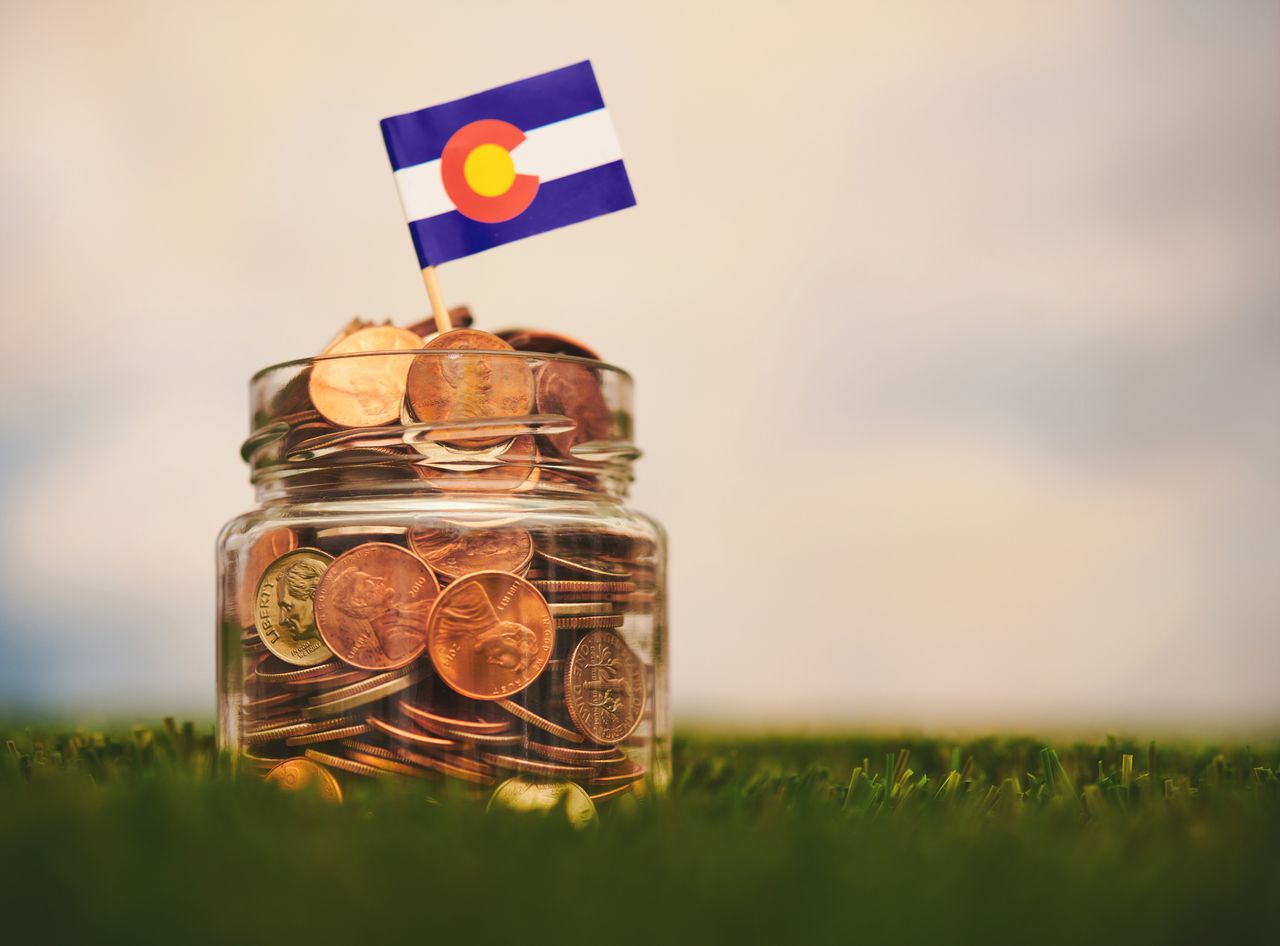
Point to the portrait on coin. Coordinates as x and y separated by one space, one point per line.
394 624
295 598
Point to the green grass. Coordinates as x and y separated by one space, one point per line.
136 837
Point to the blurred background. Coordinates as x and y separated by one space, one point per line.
956 330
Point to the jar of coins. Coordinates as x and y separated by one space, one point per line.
442 580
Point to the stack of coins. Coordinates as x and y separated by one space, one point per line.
512 656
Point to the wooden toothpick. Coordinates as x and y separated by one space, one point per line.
439 311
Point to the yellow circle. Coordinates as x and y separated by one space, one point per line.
489 170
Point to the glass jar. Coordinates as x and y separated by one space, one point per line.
442 580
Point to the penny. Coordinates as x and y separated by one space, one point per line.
590 623
355 325
303 775
533 719
284 610
371 694
419 715
456 381
604 687
345 765
264 550
328 735
408 735
535 767
453 550
363 391
490 634
515 469
573 390
372 606
547 343
459 315
545 798
481 739
568 754
585 564
369 748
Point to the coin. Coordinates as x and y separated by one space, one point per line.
573 390
490 634
355 325
580 609
363 391
420 715
387 765
275 732
547 798
605 687
372 606
345 765
264 550
583 588
630 772
586 564
371 691
458 767
548 343
536 766
457 383
568 754
274 675
589 623
328 735
303 775
533 719
284 611
410 736
516 469
454 550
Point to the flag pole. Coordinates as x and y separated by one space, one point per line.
439 311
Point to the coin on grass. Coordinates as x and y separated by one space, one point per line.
264 550
604 687
303 775
490 634
372 606
457 382
453 550
363 391
284 607
546 798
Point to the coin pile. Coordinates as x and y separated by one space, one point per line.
491 653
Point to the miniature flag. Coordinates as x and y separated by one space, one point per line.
505 164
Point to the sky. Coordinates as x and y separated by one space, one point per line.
955 330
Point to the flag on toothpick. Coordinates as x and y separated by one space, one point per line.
506 164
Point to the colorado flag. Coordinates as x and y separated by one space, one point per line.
506 164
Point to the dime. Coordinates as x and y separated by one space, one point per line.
328 735
284 610
363 391
453 551
533 719
605 687
328 680
527 795
573 390
264 550
426 717
580 609
303 775
408 735
586 564
457 383
372 606
490 634
536 767
371 694
587 623
345 765
548 343
272 675
565 587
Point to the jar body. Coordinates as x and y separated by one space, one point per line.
583 705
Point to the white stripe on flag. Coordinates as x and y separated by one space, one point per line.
557 150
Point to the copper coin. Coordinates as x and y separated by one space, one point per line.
372 606
515 469
536 767
284 607
581 756
264 550
533 719
457 383
459 315
345 765
293 729
387 765
426 717
605 687
363 391
548 343
372 691
453 550
369 748
411 736
303 775
490 634
355 325
630 772
573 390
458 767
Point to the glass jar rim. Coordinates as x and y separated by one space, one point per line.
299 363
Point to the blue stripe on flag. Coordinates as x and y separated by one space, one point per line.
420 136
565 200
